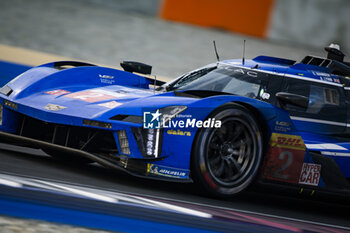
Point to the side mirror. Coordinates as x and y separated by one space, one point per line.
132 66
285 98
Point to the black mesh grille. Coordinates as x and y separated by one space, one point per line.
82 138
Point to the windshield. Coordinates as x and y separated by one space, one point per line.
223 78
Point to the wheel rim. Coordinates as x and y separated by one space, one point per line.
231 152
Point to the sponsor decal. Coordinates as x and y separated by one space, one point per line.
106 76
328 79
179 132
96 95
321 74
287 141
156 120
310 174
282 123
58 92
112 104
167 171
54 107
284 158
282 126
108 79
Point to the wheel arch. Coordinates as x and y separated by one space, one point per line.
261 123
254 113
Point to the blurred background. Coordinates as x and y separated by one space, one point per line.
174 36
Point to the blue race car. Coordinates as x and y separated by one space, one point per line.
223 126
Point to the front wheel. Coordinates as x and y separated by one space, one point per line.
225 160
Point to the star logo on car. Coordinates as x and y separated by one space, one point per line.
54 107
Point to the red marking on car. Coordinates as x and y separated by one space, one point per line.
112 104
310 174
284 158
58 92
93 96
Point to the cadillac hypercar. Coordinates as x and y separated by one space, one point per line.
224 126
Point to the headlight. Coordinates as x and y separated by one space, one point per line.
152 142
1 110
170 112
149 141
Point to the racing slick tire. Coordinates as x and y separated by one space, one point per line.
226 160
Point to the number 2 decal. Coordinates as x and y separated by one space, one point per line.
284 158
278 173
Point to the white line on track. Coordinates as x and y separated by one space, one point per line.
187 202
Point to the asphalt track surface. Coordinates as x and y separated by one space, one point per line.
328 210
